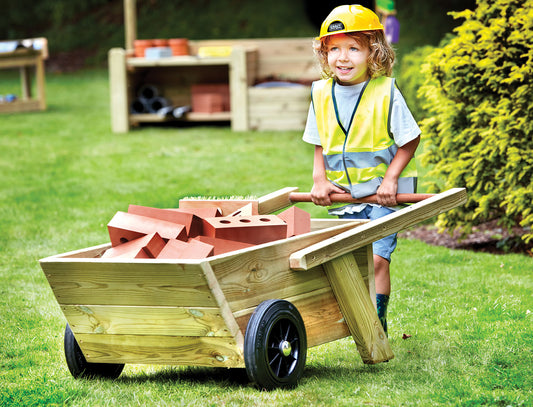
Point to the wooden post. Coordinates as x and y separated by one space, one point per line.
118 88
358 309
130 23
238 89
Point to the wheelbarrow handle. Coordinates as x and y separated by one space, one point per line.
347 198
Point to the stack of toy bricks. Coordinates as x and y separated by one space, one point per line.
196 233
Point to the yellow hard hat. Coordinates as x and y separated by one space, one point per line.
350 18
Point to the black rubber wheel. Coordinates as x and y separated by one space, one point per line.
80 368
275 345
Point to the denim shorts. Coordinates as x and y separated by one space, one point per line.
383 247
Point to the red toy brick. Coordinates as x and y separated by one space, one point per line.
193 224
193 249
128 226
209 212
248 229
298 221
220 89
222 245
246 210
207 103
146 247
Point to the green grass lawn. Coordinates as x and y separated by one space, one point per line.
64 175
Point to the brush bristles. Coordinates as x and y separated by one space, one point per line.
216 198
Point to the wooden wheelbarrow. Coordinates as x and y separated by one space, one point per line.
259 307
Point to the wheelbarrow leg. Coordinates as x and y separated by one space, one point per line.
358 309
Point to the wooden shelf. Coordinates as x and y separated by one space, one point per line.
176 75
185 60
191 117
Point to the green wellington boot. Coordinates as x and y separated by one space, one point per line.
382 301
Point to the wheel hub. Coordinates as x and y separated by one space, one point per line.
285 348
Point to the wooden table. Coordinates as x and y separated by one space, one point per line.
27 60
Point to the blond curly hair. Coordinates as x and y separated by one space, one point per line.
380 60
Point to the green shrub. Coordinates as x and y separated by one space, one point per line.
479 95
410 80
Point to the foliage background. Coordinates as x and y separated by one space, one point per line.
478 94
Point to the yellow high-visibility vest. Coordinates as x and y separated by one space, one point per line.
357 157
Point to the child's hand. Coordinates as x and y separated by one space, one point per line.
320 193
386 193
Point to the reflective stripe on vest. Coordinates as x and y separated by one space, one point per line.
356 158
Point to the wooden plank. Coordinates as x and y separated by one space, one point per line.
285 108
87 253
238 83
25 81
261 272
367 271
208 117
359 312
118 89
277 123
182 60
222 303
322 223
40 83
321 315
248 288
130 23
348 241
129 282
166 321
190 117
167 350
264 95
284 58
275 201
20 106
18 59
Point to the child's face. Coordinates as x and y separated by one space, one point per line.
347 59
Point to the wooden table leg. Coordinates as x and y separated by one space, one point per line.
25 82
39 79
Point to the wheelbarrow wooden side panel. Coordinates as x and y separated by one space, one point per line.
142 311
262 273
164 350
314 298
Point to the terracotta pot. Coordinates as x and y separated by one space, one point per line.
179 46
160 42
140 46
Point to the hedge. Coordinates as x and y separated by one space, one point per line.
479 130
